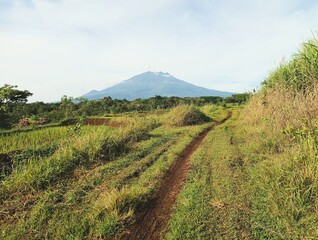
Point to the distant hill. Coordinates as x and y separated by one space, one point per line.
150 84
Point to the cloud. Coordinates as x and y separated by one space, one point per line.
72 46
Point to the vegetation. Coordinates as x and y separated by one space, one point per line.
10 98
185 115
284 176
37 113
298 75
33 139
93 181
214 203
254 176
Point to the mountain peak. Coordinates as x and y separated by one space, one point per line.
162 74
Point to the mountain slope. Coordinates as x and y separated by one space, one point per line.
150 84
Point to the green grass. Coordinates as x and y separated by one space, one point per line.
79 194
285 189
90 187
298 74
85 149
246 184
38 138
248 180
214 201
279 142
32 139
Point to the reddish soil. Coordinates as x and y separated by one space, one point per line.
152 219
96 121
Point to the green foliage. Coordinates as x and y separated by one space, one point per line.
286 188
10 95
9 98
69 107
300 73
239 98
80 150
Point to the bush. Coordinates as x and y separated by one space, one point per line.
185 115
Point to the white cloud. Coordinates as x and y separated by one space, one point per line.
72 46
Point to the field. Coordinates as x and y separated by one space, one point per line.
226 171
90 182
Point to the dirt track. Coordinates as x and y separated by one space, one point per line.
152 219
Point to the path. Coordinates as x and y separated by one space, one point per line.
154 216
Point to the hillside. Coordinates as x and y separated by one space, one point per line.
150 84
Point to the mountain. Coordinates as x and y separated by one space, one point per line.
150 84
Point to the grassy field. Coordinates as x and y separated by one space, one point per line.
90 186
214 203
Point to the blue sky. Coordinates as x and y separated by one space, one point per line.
57 47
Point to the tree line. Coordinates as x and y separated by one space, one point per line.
14 107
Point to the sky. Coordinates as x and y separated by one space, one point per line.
69 47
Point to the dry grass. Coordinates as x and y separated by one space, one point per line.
185 115
280 108
116 203
281 128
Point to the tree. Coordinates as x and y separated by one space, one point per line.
10 97
67 104
239 98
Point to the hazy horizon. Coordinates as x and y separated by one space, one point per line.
52 48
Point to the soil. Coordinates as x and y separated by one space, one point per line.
96 121
153 217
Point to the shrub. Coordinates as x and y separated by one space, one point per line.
185 115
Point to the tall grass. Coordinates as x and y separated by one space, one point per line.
300 73
281 125
32 139
113 207
100 199
81 150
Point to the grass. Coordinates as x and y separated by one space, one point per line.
90 187
81 150
185 115
32 140
260 182
279 143
253 177
282 180
214 201
122 202
300 73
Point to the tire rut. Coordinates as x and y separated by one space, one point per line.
153 217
